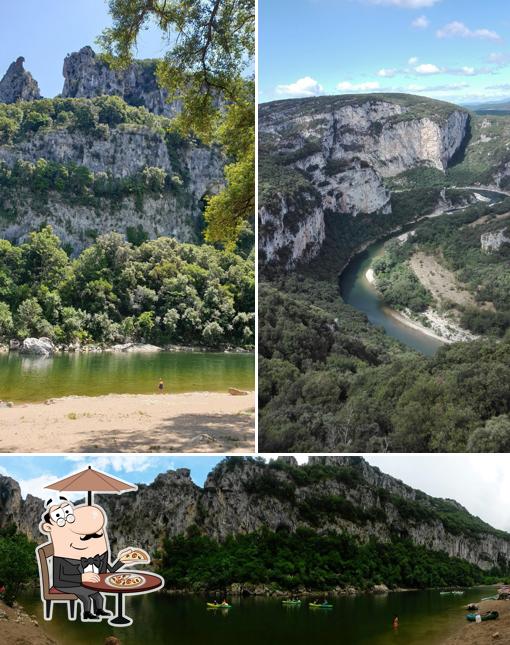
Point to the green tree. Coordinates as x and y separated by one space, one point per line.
6 322
17 562
211 46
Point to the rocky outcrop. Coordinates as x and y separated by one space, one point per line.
88 75
195 170
242 495
18 84
344 147
37 347
493 240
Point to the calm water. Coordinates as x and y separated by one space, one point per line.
426 618
26 378
357 291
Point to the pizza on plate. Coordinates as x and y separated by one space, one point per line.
125 580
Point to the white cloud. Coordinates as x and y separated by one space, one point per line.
427 68
406 4
413 60
498 58
36 486
459 29
123 462
386 73
347 86
422 22
305 86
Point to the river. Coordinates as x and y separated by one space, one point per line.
426 618
357 291
31 379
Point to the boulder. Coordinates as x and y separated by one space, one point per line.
135 347
38 347
18 84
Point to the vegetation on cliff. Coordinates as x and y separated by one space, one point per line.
17 562
157 291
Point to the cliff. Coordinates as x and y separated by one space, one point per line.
18 84
343 147
242 495
87 75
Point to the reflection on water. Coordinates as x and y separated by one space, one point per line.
25 378
426 618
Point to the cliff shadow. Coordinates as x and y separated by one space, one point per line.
460 153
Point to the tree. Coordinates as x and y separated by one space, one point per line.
17 562
211 46
6 323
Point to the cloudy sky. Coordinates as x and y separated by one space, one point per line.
45 32
481 483
457 50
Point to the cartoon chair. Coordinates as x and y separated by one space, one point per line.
48 593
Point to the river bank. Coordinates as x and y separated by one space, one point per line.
441 328
16 346
189 422
18 628
485 632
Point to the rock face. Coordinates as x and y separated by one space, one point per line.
493 241
37 347
243 495
86 76
344 147
18 84
122 153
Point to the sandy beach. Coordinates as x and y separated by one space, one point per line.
483 633
191 422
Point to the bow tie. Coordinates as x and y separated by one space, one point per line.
96 561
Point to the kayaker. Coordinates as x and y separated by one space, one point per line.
395 622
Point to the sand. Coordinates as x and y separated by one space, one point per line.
18 628
482 633
192 422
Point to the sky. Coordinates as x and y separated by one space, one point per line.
479 482
454 50
45 32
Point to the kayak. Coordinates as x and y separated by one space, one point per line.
291 602
489 615
490 598
211 605
315 605
451 593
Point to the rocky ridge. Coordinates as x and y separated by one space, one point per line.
87 75
243 495
18 84
344 147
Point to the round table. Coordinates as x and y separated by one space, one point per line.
153 582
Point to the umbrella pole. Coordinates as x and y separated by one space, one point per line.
89 498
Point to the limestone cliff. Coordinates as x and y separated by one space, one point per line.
344 147
87 75
243 495
18 84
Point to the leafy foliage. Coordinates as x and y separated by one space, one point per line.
157 291
211 45
306 558
17 562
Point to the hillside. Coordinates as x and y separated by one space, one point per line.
330 500
336 174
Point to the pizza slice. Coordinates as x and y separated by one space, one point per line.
133 555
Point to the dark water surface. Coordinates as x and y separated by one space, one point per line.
27 378
426 618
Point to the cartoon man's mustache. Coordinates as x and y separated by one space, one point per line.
90 536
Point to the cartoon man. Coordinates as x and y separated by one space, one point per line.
80 552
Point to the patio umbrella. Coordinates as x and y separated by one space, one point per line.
91 481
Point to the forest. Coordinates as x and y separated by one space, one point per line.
306 559
159 291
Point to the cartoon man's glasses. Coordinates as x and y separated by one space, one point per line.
62 515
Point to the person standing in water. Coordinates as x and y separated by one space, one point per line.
395 622
161 386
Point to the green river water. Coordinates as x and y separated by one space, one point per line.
426 618
27 378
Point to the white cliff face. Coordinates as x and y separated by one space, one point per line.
493 241
345 152
86 76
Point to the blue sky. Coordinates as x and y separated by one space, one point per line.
45 32
457 50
